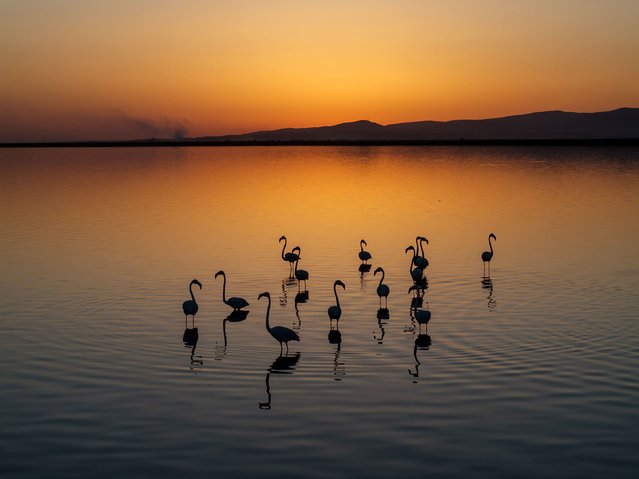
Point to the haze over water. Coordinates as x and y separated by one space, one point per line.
532 374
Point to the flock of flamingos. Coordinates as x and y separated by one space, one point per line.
283 335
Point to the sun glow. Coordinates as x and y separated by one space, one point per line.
77 70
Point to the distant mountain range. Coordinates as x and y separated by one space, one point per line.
547 125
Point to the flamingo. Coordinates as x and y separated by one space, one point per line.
416 273
281 334
422 316
234 302
190 306
335 312
417 259
418 299
290 257
382 290
300 275
420 261
486 256
364 255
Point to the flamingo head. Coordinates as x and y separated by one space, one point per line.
298 249
410 248
338 282
378 270
423 238
264 295
220 273
196 282
492 235
363 242
282 238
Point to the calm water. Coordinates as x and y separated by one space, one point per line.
533 374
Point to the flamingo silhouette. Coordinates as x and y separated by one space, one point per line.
300 275
281 334
382 290
290 257
416 273
486 256
190 306
335 312
234 302
364 255
422 316
420 261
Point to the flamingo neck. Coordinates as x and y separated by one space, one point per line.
268 312
191 291
336 297
381 280
421 247
490 244
283 248
361 246
224 289
296 261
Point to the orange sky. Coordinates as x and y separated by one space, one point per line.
119 70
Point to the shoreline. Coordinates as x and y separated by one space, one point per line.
599 142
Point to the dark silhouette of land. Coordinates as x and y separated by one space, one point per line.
615 128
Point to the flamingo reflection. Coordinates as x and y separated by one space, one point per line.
189 338
364 268
335 337
234 317
282 365
422 342
417 300
300 298
382 315
419 314
487 283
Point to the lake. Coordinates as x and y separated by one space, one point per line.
532 372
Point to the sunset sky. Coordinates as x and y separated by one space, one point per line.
75 70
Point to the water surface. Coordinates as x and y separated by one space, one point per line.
533 373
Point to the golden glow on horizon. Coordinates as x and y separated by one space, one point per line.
172 204
82 69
